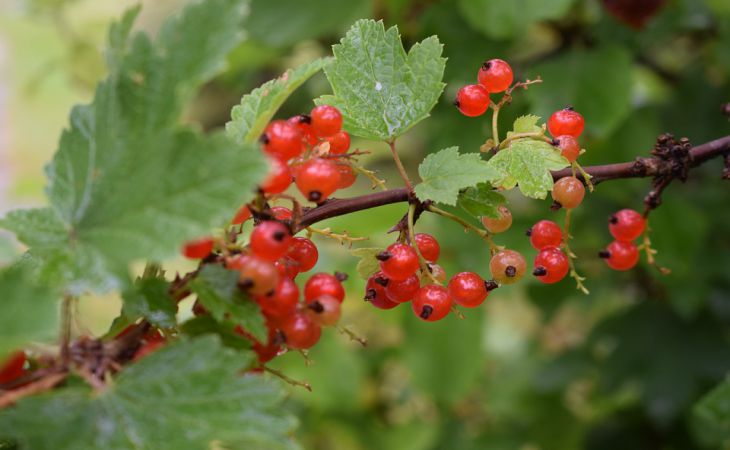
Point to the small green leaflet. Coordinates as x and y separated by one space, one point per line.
526 124
481 201
188 395
711 416
380 90
149 298
526 163
367 265
29 310
217 289
447 172
249 118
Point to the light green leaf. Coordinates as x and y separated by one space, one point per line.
150 298
380 90
526 124
249 118
217 289
506 19
527 163
711 416
481 201
28 310
188 395
445 173
367 265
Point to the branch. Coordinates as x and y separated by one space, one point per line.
640 168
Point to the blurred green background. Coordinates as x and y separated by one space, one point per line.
537 367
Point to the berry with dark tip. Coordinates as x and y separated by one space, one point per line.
495 75
398 261
472 100
282 140
507 266
620 255
321 284
626 225
375 292
551 265
326 120
431 303
566 121
270 240
317 179
568 192
545 233
467 289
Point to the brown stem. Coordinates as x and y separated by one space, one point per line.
399 165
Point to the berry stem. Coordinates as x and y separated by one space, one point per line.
412 239
352 335
484 234
370 175
66 321
287 379
650 252
342 238
538 135
571 256
399 165
495 123
586 176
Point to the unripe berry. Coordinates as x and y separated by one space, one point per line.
256 275
626 225
398 261
428 246
326 120
566 121
507 266
568 192
500 224
620 255
551 265
467 289
317 179
495 75
472 100
431 303
325 311
270 240
569 147
545 233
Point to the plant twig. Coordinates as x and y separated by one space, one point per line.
484 234
399 165
571 256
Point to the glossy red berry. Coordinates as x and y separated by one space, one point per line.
270 240
300 332
472 100
326 120
545 233
304 124
467 289
398 261
321 284
317 179
626 225
569 147
199 248
566 121
287 267
241 216
281 213
282 301
551 265
375 291
568 192
279 178
304 252
256 275
339 142
499 224
495 75
150 345
431 303
282 140
402 291
347 176
12 368
507 266
428 246
620 255
268 351
325 311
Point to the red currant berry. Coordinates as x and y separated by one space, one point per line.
326 120
375 291
472 100
303 251
545 233
495 75
304 124
282 301
568 192
507 266
279 178
398 261
281 213
317 179
626 225
300 332
347 176
150 346
402 291
321 284
432 302
620 255
241 216
569 147
282 140
256 275
199 248
266 352
287 267
551 265
339 142
566 121
325 311
428 246
270 240
12 368
501 223
467 289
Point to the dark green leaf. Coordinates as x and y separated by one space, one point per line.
481 201
150 298
445 173
506 19
712 416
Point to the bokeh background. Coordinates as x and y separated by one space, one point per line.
536 367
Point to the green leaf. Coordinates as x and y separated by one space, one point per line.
249 118
506 19
445 173
367 265
126 182
28 310
527 163
380 90
188 395
711 416
481 201
150 298
526 124
217 289
225 330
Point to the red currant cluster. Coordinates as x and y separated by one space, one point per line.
494 76
625 226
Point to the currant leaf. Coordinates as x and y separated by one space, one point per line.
710 416
502 20
447 172
481 201
381 90
150 298
367 265
526 124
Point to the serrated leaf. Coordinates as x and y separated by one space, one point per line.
150 298
126 182
526 124
249 118
447 172
217 289
28 310
225 330
481 201
367 265
527 163
711 416
188 395
380 90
